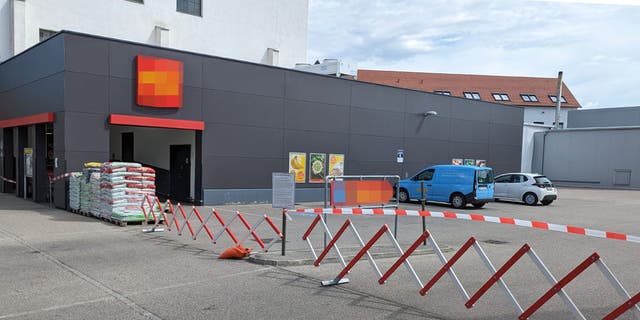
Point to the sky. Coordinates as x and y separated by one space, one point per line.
596 43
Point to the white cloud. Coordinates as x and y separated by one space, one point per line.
596 45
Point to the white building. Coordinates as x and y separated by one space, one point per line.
272 32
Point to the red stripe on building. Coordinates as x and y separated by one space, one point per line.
120 119
48 117
507 220
576 230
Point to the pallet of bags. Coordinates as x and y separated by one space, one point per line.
94 187
74 190
85 189
112 187
140 182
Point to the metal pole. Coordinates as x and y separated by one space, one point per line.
50 192
422 203
558 101
284 230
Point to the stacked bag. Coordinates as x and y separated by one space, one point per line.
85 185
74 190
123 186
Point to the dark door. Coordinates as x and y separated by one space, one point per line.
127 146
180 172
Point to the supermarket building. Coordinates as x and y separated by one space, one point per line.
219 136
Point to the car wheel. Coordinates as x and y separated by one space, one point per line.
457 201
479 205
403 196
546 202
530 198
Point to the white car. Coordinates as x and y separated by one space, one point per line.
526 187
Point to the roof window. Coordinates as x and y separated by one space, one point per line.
500 96
472 95
555 99
442 92
529 97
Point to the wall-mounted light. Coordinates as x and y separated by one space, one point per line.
430 113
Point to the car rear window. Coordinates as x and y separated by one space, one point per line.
485 176
542 180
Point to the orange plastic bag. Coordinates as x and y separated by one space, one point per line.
237 252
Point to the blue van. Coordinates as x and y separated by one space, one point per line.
457 185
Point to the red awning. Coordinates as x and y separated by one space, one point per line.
125 120
48 117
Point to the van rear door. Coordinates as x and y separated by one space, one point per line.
484 184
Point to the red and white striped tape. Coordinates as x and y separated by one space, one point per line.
62 176
7 180
476 217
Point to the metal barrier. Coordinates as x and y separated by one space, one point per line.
557 287
176 216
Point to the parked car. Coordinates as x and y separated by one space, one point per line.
457 185
526 187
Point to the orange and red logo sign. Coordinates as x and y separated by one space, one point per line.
159 82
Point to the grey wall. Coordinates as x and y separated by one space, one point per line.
255 115
606 117
606 158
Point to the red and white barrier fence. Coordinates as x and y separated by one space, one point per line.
476 217
557 287
59 177
176 216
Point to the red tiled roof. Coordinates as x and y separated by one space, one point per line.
457 84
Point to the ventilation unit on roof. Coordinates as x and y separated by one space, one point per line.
332 67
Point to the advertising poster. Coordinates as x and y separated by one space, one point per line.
469 162
481 163
457 162
336 164
298 165
317 167
28 162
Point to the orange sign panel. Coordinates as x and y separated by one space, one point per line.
360 192
159 82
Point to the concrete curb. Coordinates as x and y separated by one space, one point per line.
277 260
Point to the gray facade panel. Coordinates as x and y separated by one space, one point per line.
431 127
76 132
373 148
241 77
376 122
226 196
312 116
317 88
86 55
500 158
242 109
45 59
421 152
315 141
607 117
505 134
226 140
466 109
371 96
469 131
240 173
85 92
506 114
40 96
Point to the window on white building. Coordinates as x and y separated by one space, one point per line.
46 34
442 92
472 95
193 7
500 96
555 99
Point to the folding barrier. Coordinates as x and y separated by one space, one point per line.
7 180
176 216
557 287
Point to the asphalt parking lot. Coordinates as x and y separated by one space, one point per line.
56 264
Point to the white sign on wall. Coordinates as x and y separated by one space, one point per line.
283 190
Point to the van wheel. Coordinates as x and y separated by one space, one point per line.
403 196
457 201
530 198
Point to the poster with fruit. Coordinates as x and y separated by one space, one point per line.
336 164
297 166
317 167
